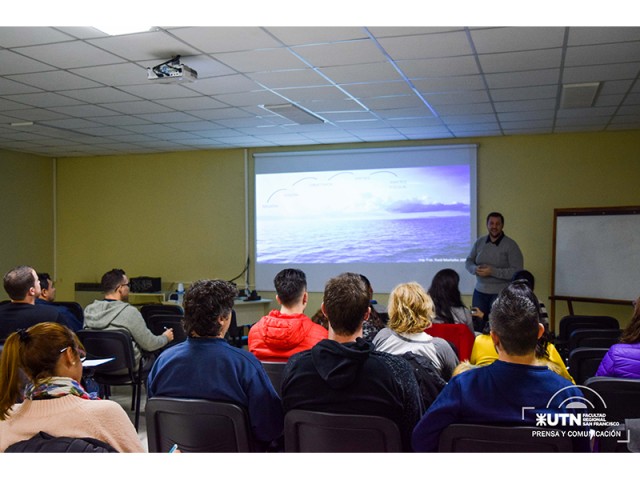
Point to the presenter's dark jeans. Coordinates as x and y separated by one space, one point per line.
483 301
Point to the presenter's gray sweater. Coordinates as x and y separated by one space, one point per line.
504 257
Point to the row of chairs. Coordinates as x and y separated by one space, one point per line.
576 331
117 344
583 341
274 370
207 426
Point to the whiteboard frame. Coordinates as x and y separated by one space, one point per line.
584 211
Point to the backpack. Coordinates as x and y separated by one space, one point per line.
42 442
429 380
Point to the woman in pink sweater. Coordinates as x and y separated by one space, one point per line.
53 401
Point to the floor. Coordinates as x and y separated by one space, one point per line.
122 395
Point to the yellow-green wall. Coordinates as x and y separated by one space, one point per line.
175 216
26 212
181 216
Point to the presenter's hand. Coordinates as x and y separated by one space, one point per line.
484 271
168 333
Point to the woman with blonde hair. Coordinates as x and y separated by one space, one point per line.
40 390
411 311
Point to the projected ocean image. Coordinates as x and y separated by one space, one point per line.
393 215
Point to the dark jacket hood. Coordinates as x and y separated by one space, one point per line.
339 364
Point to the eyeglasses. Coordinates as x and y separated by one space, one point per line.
124 285
81 353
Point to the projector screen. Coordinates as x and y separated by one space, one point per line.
393 214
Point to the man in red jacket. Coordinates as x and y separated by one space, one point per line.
284 332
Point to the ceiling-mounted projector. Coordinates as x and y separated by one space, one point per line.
172 71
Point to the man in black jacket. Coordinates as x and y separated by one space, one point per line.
344 374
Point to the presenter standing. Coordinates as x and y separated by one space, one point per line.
494 259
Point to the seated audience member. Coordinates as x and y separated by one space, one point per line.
45 362
498 392
48 296
114 312
623 359
281 333
528 277
484 353
445 293
344 374
22 286
462 367
206 366
320 319
375 322
410 313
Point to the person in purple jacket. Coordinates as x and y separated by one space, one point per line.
623 359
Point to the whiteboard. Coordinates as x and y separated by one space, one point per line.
597 253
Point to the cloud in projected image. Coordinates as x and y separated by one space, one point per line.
389 193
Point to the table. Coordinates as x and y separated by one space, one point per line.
248 313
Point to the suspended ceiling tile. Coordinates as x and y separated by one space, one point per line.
378 89
439 67
225 39
100 95
346 53
520 61
289 78
595 35
307 36
435 45
45 99
69 55
152 47
513 39
57 80
21 36
619 71
603 54
373 72
191 103
13 63
264 60
115 75
449 84
549 76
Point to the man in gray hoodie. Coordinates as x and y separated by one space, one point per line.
114 312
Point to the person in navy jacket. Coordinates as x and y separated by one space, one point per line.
206 366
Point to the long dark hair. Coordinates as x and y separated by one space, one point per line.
631 334
445 293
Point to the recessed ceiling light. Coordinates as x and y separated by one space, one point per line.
21 124
294 113
122 30
579 95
